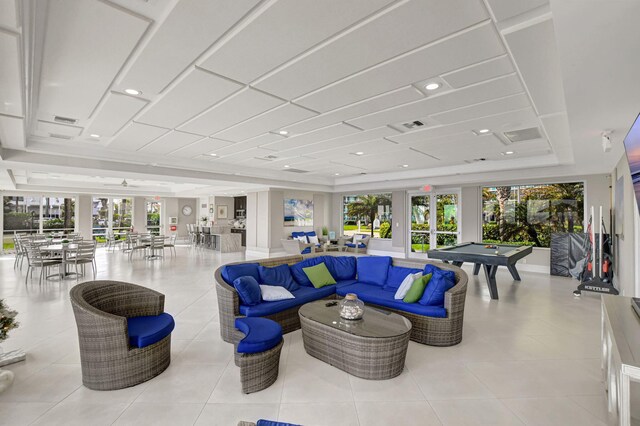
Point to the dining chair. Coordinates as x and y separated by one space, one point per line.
156 245
84 254
171 245
36 258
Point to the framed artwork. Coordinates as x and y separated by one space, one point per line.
222 212
298 212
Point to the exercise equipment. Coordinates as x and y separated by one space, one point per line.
597 271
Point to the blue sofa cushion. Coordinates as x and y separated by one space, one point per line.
373 269
248 290
302 295
231 272
372 294
352 245
145 331
306 251
299 275
342 283
341 267
396 275
279 275
442 280
263 422
261 334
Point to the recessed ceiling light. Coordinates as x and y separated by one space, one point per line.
93 135
337 174
283 132
432 86
132 92
286 166
359 153
405 165
509 153
213 155
484 131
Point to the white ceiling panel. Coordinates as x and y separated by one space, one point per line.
472 46
188 31
47 128
462 147
535 52
392 161
117 111
238 157
345 154
512 120
239 107
479 72
376 103
8 14
274 119
80 59
266 43
10 83
196 92
395 32
492 89
170 142
204 146
363 136
135 136
319 135
504 9
484 109
12 132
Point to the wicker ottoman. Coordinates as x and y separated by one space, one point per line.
257 352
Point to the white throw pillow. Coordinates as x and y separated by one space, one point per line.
271 293
357 237
313 239
405 285
302 239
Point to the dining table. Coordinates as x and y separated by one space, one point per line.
64 250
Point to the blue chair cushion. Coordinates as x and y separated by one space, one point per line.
341 267
299 275
396 275
248 290
300 234
231 272
145 331
261 334
306 251
373 269
263 422
372 294
279 275
302 295
352 245
442 280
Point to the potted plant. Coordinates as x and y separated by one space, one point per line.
204 220
7 323
325 231
65 242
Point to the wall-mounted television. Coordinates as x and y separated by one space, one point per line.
632 147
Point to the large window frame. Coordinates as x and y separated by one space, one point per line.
384 216
99 232
579 221
153 207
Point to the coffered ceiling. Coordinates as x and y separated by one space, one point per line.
288 93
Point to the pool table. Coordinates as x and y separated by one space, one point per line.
489 258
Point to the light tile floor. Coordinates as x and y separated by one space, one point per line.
530 358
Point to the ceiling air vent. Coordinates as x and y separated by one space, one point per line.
59 136
523 134
413 124
295 170
65 120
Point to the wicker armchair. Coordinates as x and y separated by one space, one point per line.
101 309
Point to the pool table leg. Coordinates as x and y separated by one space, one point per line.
476 269
457 263
514 272
490 273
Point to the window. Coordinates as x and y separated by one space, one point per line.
21 215
367 214
529 214
153 217
100 214
58 213
122 209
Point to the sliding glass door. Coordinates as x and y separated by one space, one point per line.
434 219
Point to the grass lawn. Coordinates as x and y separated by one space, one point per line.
8 245
420 248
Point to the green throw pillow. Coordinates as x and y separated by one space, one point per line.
320 276
417 289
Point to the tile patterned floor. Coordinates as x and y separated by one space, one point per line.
531 358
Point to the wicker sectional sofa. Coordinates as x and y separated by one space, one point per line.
430 330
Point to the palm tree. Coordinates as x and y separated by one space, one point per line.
367 206
502 194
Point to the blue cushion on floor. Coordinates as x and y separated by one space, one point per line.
341 267
299 275
352 245
441 281
302 295
279 275
263 422
396 275
261 334
145 331
376 295
231 272
248 290
373 269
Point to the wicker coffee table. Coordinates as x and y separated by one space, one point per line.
373 348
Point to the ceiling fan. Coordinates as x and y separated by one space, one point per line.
123 184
